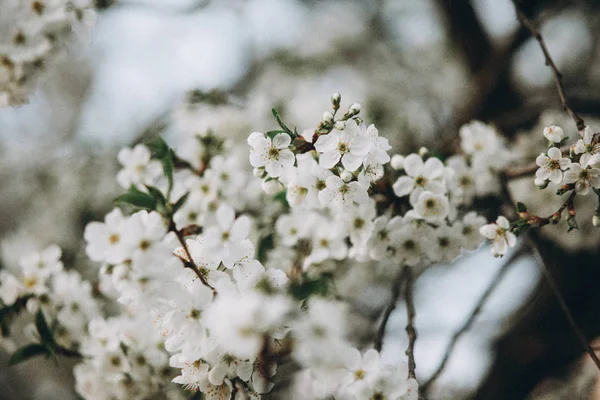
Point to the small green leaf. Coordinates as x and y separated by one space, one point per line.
26 352
274 133
43 329
137 198
572 222
168 162
180 202
158 148
281 197
159 199
310 287
521 207
265 244
281 124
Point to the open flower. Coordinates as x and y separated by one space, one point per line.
346 145
273 154
420 176
500 235
590 153
583 178
551 166
338 192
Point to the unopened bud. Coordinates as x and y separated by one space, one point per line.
423 151
354 109
271 187
397 162
339 125
346 176
554 133
336 98
328 117
259 172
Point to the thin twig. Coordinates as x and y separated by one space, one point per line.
378 342
563 305
527 23
519 171
508 262
410 322
189 263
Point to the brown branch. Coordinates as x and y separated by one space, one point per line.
189 263
554 218
378 342
473 316
528 169
563 305
527 23
410 322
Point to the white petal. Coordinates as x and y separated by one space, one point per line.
403 186
413 164
434 168
329 159
502 222
554 153
351 162
282 141
225 216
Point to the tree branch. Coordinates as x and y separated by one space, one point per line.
474 314
527 23
189 263
410 314
378 342
563 305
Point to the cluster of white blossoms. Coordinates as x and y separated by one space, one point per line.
332 177
219 283
574 169
578 165
38 28
61 295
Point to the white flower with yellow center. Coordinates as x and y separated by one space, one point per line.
272 154
500 235
583 178
551 166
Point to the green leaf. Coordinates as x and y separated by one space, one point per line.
281 197
137 198
521 207
168 162
158 148
26 352
310 287
265 244
160 203
43 329
274 133
179 203
572 222
281 124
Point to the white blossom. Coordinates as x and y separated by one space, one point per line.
500 235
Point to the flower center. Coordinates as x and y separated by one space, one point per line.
114 238
420 181
430 204
273 153
409 245
359 223
343 147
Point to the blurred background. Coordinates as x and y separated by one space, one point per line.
420 69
